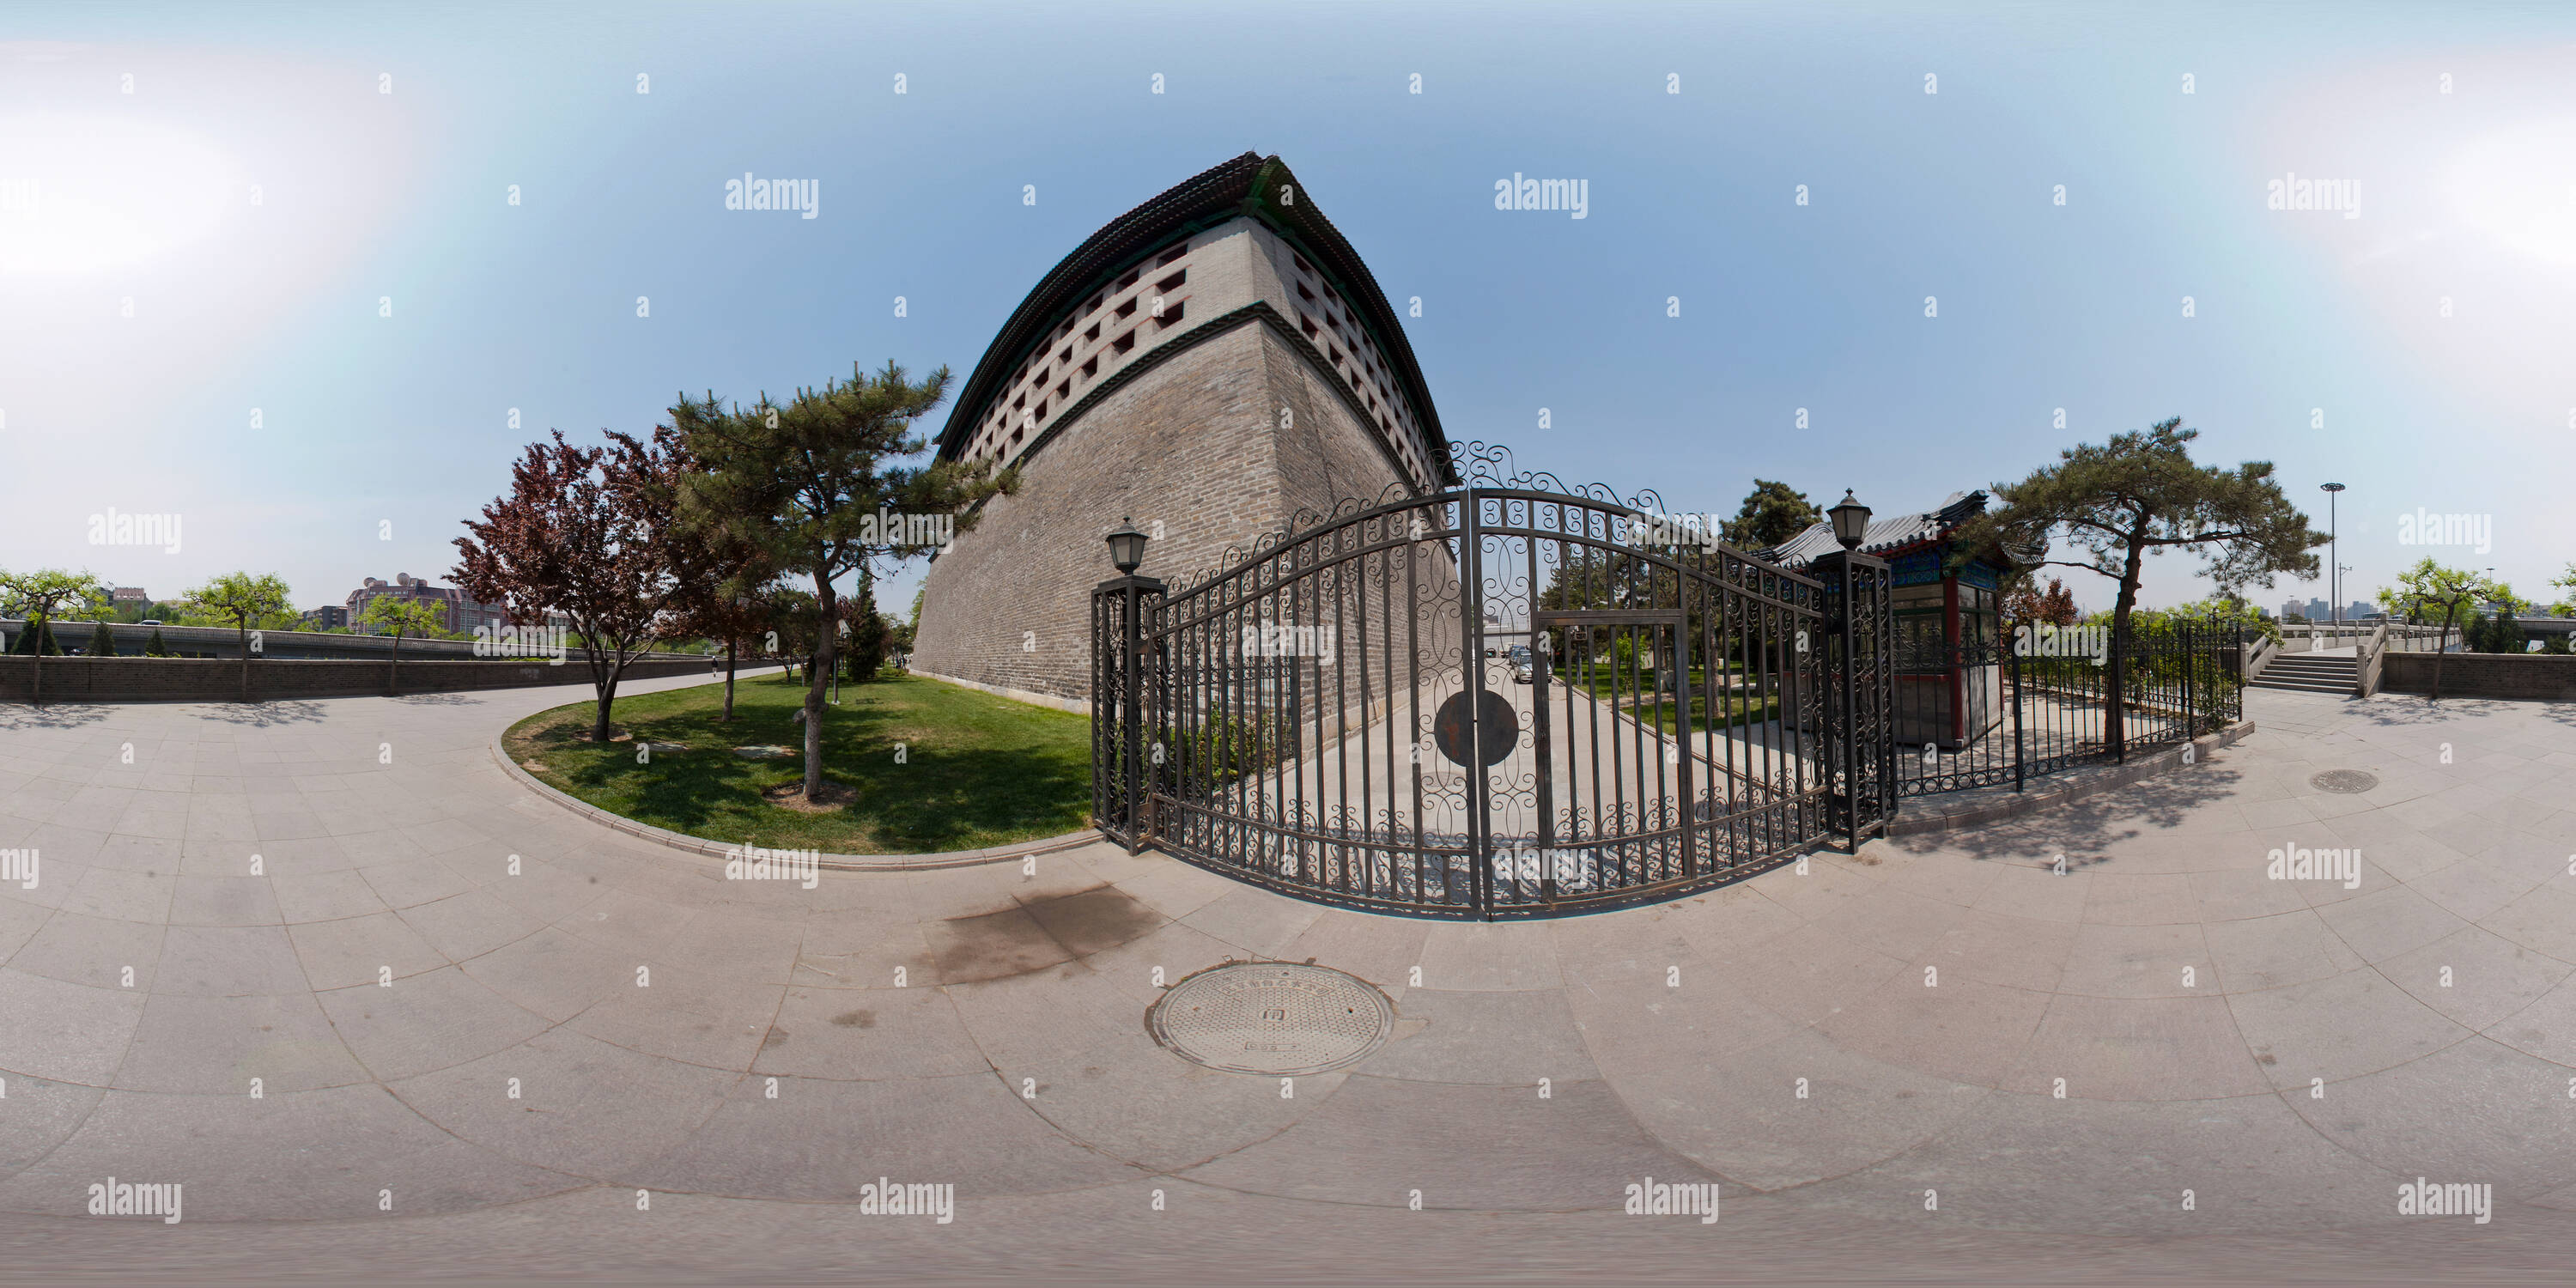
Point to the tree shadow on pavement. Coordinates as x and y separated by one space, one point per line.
53 715
2089 830
262 715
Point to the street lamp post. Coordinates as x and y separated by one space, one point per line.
2334 553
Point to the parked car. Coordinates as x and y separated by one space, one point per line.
149 621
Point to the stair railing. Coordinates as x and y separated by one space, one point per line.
2365 671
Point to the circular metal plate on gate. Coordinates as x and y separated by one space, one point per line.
2348 782
1271 1017
1496 729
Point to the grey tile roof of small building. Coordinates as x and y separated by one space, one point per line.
1885 534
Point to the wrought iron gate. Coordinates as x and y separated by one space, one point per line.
1512 699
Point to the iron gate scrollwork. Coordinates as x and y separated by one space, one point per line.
1510 699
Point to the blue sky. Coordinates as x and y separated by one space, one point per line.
2317 342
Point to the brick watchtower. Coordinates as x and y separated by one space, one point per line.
1209 363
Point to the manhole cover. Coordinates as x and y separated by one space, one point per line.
2348 782
1271 1017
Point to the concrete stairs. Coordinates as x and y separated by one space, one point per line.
2310 673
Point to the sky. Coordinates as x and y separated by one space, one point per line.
308 278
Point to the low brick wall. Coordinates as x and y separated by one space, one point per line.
2483 675
185 679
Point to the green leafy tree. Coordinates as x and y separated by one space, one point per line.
2430 592
1772 513
245 603
807 480
2141 494
403 614
38 597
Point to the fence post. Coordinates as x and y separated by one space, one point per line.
1122 701
2190 725
2012 661
2116 710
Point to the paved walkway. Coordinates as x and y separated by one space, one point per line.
983 1027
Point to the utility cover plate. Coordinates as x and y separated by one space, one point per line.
2346 782
1272 1018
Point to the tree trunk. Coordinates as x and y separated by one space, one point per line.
2441 645
242 627
393 675
2115 716
43 626
828 608
607 694
729 663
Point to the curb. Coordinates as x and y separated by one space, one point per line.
2017 804
828 862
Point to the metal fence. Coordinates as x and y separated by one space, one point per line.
1514 699
2040 699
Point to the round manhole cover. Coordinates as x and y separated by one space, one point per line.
1271 1017
2347 782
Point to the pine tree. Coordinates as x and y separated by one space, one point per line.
102 641
806 479
867 633
154 647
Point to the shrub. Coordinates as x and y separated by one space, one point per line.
102 641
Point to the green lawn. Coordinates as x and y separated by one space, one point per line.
978 770
1660 710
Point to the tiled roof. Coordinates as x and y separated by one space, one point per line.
1886 534
1239 187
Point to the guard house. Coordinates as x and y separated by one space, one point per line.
1948 619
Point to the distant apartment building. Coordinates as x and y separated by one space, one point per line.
127 595
329 617
461 614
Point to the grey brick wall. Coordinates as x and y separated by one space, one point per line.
182 679
1198 444
2483 675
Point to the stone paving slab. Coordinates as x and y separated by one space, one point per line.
983 1026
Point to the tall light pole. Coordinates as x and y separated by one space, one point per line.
2334 552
